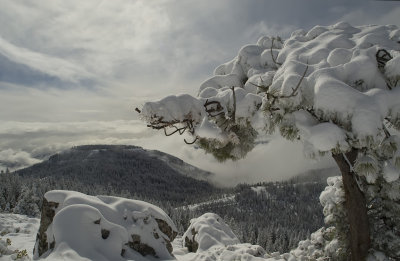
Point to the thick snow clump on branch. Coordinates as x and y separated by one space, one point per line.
332 75
334 88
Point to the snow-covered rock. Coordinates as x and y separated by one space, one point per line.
207 231
78 226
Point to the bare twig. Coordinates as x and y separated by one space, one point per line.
234 104
190 143
385 129
263 88
180 130
272 98
272 55
158 123
294 90
213 111
382 57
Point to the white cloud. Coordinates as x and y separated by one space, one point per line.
69 39
52 66
372 15
12 158
25 143
277 160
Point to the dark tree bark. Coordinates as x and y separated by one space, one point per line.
356 207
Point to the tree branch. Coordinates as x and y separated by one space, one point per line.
382 57
272 55
234 104
294 90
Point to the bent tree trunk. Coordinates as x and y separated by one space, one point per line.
356 207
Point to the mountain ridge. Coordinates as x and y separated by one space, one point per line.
143 173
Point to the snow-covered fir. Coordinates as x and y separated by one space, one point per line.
333 88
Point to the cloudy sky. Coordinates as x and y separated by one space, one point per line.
72 72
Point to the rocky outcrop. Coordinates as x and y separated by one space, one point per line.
138 246
168 231
42 242
190 241
75 219
162 232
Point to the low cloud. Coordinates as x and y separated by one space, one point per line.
27 143
276 160
15 159
389 10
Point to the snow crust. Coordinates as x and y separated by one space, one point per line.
80 221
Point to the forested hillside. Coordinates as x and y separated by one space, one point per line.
125 170
275 215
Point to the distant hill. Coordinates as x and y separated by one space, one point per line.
147 174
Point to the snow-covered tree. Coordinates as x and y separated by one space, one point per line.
334 88
28 203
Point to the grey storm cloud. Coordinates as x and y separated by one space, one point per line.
72 72
151 42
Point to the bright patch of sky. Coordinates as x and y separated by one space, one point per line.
72 72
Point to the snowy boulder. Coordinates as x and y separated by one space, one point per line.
206 231
102 228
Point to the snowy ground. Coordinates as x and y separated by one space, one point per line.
21 230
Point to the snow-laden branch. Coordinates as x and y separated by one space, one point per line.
340 73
